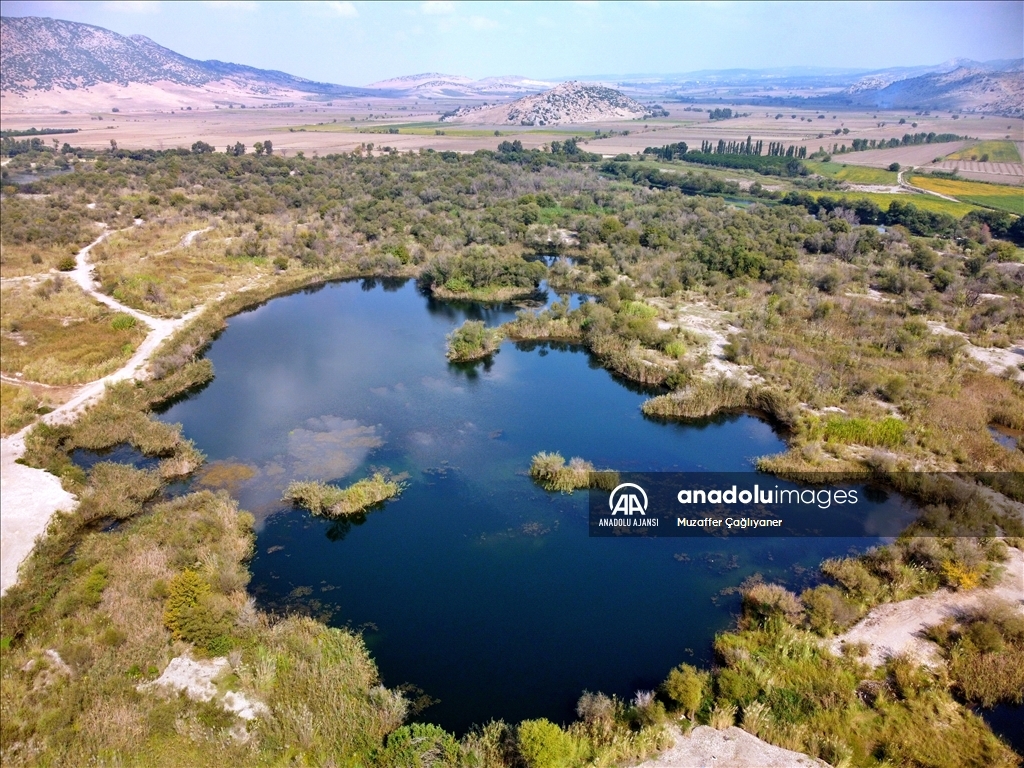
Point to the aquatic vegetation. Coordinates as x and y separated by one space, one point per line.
699 400
331 501
888 432
551 473
473 341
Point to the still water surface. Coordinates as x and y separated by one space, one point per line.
476 587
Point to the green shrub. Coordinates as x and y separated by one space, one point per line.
826 610
686 686
544 745
419 745
852 574
66 263
193 613
736 687
122 322
94 584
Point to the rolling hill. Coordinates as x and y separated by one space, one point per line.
49 61
572 102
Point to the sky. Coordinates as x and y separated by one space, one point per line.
356 43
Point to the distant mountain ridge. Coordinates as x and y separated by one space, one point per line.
437 85
572 102
42 54
50 63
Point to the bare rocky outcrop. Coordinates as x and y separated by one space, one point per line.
730 748
572 102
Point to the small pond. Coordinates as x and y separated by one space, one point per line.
475 586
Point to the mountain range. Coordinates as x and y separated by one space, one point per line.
50 63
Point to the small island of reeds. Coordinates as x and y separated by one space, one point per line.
473 341
328 500
551 473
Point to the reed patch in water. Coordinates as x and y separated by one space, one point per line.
473 341
328 500
551 473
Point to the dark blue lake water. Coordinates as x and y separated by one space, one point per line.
475 586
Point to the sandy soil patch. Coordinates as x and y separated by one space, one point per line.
193 678
713 327
732 748
897 628
996 360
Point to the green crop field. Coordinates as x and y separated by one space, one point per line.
923 202
855 174
997 151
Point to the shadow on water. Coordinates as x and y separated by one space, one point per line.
1006 722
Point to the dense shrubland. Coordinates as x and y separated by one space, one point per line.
833 313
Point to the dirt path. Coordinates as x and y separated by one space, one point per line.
31 496
895 628
908 186
732 748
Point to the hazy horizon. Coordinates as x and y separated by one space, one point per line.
357 43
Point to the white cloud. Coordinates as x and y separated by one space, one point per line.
141 6
438 7
342 8
234 5
482 22
328 9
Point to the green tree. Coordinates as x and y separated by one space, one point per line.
686 686
186 590
544 745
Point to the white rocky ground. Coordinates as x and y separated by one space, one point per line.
898 628
995 360
712 327
703 746
197 680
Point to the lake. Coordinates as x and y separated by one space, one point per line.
475 589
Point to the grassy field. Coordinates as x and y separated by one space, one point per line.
997 151
855 174
17 408
924 202
55 334
151 269
1000 196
